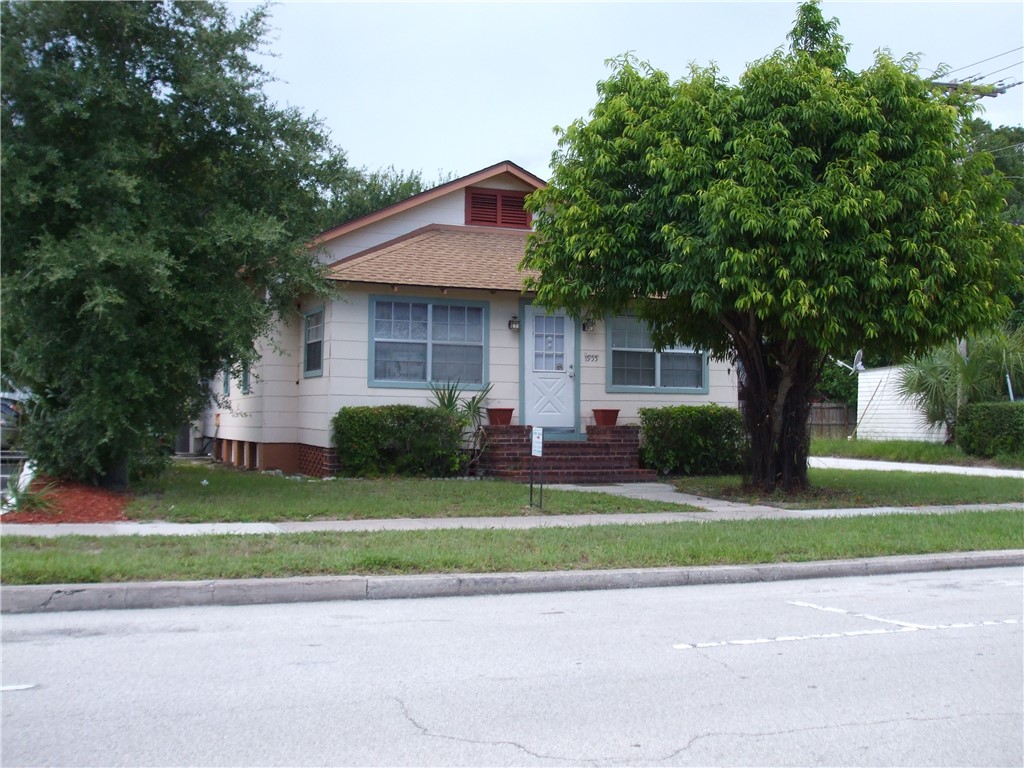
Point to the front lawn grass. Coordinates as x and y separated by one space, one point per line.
914 451
838 489
82 559
228 495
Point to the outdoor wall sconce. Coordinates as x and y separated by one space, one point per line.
513 323
588 324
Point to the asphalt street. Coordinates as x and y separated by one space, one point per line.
899 669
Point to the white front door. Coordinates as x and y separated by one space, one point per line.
549 369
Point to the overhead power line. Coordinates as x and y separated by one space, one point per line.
1000 70
1004 53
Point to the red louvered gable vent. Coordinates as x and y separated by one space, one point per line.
496 208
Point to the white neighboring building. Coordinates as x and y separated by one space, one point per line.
430 291
883 414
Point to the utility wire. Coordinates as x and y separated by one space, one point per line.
1000 70
1005 149
1014 50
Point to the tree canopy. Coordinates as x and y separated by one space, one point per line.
156 214
807 210
1006 145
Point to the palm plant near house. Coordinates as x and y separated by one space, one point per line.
976 370
448 396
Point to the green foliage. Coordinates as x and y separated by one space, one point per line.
156 211
366 192
693 440
1006 147
397 440
991 429
807 210
31 496
468 411
946 379
448 396
837 385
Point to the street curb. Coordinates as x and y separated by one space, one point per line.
173 594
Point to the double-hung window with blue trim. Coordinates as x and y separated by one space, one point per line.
636 364
417 342
313 347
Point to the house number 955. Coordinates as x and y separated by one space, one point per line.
591 358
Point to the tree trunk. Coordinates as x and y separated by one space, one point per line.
115 475
777 388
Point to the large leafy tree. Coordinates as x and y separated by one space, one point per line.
366 192
1006 145
808 210
155 215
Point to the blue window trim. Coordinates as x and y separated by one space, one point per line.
225 384
652 390
371 353
309 374
246 383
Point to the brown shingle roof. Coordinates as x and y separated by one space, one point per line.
443 256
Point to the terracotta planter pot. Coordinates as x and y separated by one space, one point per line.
606 417
499 416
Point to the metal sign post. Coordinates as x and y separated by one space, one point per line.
537 452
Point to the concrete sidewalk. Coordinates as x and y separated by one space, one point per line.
722 512
833 462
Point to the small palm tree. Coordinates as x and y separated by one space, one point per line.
986 367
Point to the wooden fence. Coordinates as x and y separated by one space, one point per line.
831 420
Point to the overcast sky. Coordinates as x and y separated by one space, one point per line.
454 87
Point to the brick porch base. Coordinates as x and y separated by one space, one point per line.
608 455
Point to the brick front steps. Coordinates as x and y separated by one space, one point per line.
608 455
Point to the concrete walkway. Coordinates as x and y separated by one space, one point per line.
832 462
715 511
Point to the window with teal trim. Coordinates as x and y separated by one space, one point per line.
246 380
313 357
424 341
635 363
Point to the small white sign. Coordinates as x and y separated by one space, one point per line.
538 441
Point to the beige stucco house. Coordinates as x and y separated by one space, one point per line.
429 290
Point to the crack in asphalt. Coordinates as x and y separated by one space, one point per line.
427 732
809 729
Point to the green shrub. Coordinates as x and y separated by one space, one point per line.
693 440
397 440
989 429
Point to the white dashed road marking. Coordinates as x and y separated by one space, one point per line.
902 626
867 616
28 687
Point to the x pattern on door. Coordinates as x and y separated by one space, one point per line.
547 394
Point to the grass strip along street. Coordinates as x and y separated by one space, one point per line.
912 451
84 559
839 489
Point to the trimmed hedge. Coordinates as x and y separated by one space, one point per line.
693 439
405 440
989 429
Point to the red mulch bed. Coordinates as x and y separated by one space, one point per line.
73 503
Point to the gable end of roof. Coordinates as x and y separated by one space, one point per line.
473 179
